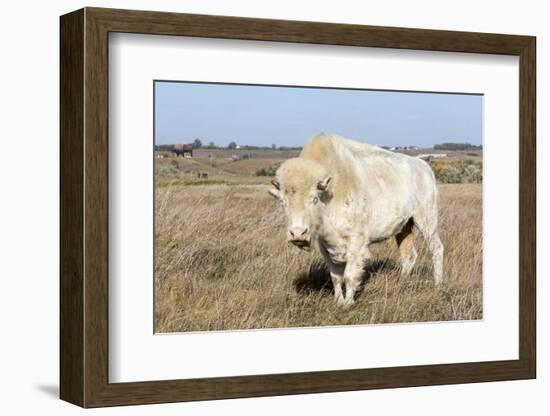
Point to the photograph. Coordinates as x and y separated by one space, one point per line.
296 206
240 196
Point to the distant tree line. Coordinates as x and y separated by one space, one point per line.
198 144
457 146
164 147
272 147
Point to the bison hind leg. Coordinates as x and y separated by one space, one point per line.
407 252
428 228
436 247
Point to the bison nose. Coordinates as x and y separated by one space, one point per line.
298 232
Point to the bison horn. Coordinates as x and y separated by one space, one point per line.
323 184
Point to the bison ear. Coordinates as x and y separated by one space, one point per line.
324 184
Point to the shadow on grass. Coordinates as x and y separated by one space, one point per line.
317 279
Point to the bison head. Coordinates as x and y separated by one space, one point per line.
303 187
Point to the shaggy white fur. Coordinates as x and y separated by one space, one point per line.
347 195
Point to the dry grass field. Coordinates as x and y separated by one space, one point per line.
222 261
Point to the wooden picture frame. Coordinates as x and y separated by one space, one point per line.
84 207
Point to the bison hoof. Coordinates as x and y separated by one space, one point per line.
346 303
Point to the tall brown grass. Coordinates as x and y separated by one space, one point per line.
222 263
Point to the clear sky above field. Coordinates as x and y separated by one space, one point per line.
286 116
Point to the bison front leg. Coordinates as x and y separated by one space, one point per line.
353 275
337 276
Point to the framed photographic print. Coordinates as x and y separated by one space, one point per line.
255 207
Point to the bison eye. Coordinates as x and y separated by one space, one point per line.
315 200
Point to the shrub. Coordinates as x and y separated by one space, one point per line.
450 174
473 173
454 171
269 171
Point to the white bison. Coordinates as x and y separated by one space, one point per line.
348 195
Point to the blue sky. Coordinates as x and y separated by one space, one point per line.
288 116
